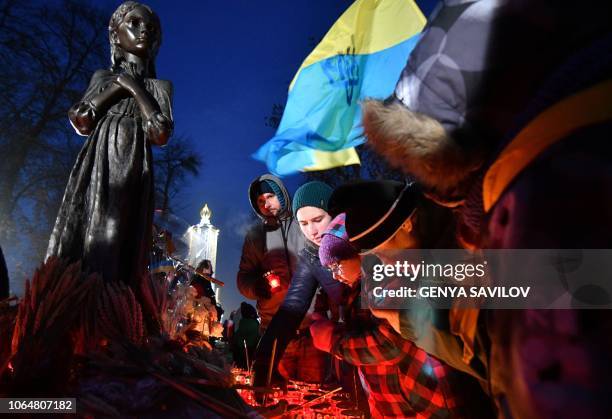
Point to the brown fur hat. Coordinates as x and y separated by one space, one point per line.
419 145
435 126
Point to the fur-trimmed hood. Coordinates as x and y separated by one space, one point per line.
477 66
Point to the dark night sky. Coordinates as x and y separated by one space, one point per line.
230 61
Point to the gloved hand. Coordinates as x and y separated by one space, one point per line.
322 331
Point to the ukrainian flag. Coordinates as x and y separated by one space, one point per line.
360 57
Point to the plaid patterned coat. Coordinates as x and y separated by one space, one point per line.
400 379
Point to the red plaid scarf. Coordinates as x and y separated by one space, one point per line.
400 379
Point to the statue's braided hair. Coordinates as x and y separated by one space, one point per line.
117 56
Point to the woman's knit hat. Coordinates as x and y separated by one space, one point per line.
312 194
335 245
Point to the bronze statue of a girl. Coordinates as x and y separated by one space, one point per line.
106 215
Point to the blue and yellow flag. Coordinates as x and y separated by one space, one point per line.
360 57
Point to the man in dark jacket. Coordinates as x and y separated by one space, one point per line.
270 249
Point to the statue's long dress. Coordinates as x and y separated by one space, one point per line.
106 215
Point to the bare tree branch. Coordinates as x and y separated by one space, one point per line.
173 163
47 55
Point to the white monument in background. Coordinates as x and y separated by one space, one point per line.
202 241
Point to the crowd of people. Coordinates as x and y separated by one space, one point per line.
503 145
321 314
423 362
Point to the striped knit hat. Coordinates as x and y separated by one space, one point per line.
335 245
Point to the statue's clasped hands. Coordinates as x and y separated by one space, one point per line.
157 126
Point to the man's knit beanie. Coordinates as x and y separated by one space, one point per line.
269 186
335 245
375 209
312 194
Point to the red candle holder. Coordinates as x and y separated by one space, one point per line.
274 281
